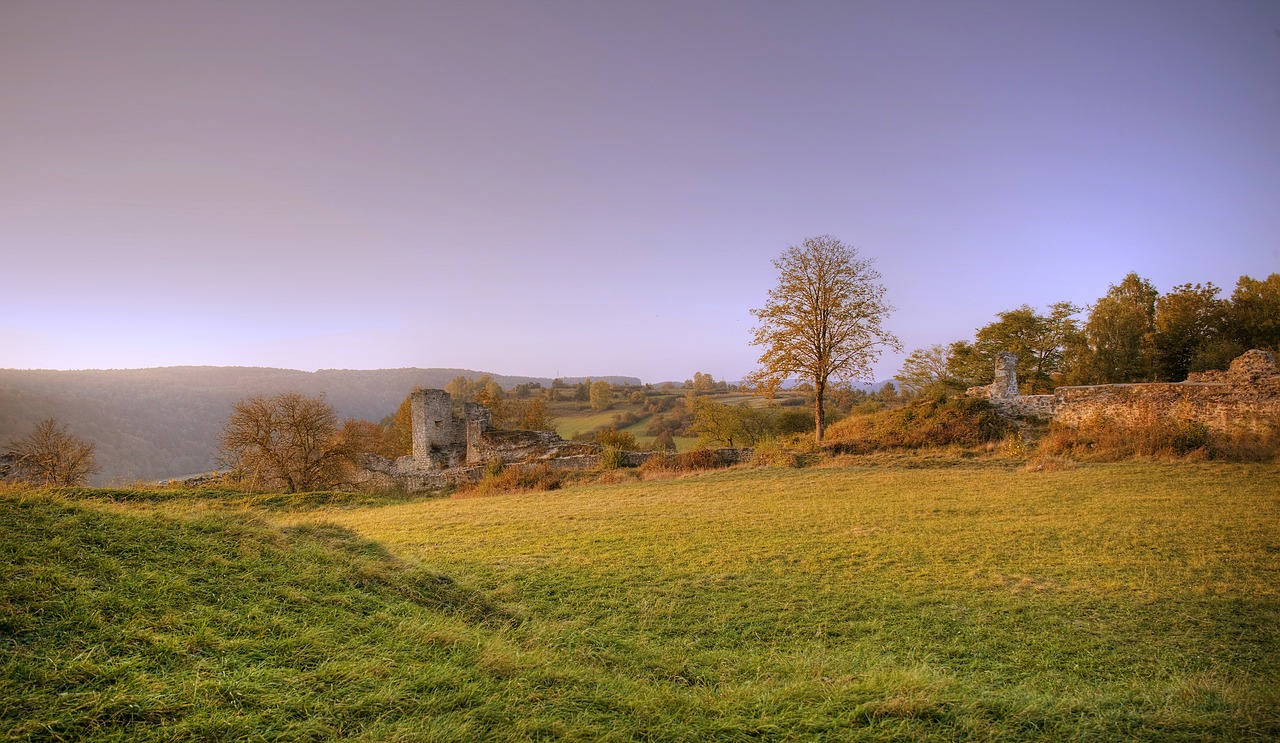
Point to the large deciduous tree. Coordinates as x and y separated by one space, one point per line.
1042 343
1189 325
50 456
824 320
287 441
1119 332
1254 316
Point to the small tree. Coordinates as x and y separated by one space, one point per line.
824 319
397 433
924 367
727 425
288 441
51 456
601 395
530 415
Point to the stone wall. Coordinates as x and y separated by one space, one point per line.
1244 397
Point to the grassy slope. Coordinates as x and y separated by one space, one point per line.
1116 600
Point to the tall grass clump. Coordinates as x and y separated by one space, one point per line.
611 458
1102 438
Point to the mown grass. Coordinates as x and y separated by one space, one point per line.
1132 601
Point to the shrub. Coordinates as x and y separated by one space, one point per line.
793 421
770 452
611 438
610 459
625 419
689 461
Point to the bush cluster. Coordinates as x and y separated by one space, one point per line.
689 461
500 479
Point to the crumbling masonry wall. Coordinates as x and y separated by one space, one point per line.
1246 397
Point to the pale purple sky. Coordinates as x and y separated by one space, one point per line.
597 187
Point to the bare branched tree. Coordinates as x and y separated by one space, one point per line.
288 441
824 320
51 456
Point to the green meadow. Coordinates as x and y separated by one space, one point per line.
958 600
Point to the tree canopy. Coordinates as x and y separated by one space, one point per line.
823 320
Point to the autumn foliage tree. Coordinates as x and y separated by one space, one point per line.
50 456
291 442
601 394
823 320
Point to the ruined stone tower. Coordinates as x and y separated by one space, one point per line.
434 428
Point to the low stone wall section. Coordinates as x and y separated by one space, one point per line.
1025 406
380 472
1220 407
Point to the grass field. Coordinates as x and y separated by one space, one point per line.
1137 601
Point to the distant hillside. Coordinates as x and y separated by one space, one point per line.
158 423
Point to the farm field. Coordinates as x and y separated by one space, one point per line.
573 418
969 601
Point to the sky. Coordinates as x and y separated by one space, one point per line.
600 187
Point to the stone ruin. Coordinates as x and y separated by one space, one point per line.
1244 397
447 436
455 443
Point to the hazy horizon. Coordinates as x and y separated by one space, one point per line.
557 188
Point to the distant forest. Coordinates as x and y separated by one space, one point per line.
164 423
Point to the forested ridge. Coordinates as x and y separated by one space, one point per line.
164 422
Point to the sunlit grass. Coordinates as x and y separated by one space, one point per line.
1102 592
970 601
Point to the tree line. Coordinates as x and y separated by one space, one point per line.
1132 334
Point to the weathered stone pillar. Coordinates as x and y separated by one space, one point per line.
478 420
1006 382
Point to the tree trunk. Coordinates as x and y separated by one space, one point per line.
819 412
